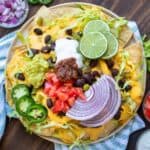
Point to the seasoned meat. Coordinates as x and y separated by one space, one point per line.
67 69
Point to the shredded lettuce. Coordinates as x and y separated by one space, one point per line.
116 25
146 44
125 56
131 103
25 40
84 17
148 65
82 145
50 125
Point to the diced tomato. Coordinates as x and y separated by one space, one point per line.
63 95
71 101
80 93
47 87
68 84
147 113
59 105
72 92
148 98
52 93
49 76
55 81
66 107
64 89
147 104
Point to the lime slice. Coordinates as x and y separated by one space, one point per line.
96 26
112 46
93 45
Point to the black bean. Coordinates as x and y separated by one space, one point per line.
69 38
61 114
69 32
51 62
79 82
121 82
52 46
31 87
110 63
45 49
114 72
128 88
38 31
47 39
20 76
88 78
49 103
79 72
34 51
118 114
93 62
95 73
80 34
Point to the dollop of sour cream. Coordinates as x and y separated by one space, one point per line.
66 48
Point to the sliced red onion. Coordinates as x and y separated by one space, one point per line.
95 103
110 109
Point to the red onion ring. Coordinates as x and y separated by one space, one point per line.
110 109
85 110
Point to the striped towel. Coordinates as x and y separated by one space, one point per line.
117 142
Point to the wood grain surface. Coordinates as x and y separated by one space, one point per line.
16 137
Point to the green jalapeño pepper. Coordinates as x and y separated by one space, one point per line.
23 104
36 113
45 2
19 90
33 2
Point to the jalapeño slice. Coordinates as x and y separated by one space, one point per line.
23 104
33 2
45 2
19 90
36 113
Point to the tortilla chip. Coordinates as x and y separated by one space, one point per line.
135 51
66 10
125 36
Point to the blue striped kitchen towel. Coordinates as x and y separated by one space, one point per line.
117 142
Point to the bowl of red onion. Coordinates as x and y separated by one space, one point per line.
13 12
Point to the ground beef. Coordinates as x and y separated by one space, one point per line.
67 69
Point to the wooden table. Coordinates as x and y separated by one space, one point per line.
15 137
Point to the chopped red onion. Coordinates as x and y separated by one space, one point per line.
2 8
11 11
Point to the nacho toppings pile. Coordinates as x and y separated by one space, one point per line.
74 72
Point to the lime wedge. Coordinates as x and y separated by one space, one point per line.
112 45
93 45
96 26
